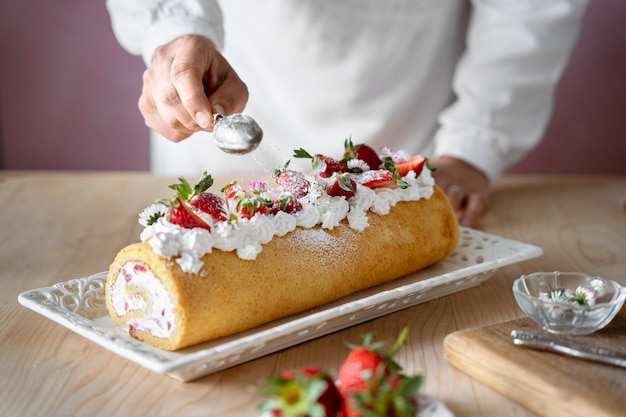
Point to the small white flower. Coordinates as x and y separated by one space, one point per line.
150 214
358 165
585 296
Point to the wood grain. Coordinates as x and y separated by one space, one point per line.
56 226
549 384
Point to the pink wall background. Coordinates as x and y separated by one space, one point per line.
68 94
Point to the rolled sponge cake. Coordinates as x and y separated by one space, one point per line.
301 270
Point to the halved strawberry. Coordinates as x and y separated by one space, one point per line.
342 186
322 165
211 204
181 214
308 392
415 164
363 152
379 178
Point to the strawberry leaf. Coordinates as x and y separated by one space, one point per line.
205 182
432 169
301 153
183 189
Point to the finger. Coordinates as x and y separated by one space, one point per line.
162 94
456 196
164 125
473 210
230 96
189 66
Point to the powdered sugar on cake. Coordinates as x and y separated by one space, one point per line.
247 236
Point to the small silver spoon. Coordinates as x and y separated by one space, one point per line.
540 340
236 133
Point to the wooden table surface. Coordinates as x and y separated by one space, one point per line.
56 226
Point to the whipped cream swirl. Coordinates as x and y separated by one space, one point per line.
247 236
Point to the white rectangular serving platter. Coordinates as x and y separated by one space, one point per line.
79 305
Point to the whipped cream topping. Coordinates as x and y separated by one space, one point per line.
247 236
136 289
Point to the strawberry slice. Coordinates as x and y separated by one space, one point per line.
342 186
379 178
415 164
181 214
211 204
308 392
363 152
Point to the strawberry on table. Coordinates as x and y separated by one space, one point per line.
308 392
372 384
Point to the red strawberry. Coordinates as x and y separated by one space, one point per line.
322 165
363 152
210 203
287 203
371 382
325 166
247 204
308 392
234 191
378 178
342 186
294 182
415 164
181 214
361 360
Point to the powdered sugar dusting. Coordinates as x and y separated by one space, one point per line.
247 236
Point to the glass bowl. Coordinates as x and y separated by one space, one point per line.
570 303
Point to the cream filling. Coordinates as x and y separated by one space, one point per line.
137 289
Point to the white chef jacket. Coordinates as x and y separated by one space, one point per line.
470 79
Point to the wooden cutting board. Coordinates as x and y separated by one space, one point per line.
546 383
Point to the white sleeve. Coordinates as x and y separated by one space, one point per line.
140 26
515 54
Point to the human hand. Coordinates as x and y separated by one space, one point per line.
467 188
186 83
